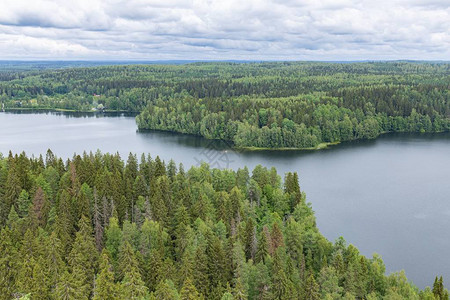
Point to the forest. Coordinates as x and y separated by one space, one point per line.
253 105
98 227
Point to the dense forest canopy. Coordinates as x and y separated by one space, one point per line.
96 227
262 105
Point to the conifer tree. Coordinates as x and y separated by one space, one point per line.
227 296
23 204
83 258
201 276
52 262
24 279
311 291
64 222
438 289
127 260
39 209
67 288
8 264
105 287
132 286
154 272
217 271
113 238
165 290
188 291
97 220
39 284
251 242
262 250
277 236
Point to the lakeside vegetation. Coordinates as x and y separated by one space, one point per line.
253 105
97 227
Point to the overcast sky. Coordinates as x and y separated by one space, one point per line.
225 29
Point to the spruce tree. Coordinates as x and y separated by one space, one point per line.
67 288
8 264
165 290
105 287
23 204
83 258
132 286
311 291
188 291
262 250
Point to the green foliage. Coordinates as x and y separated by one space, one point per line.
266 105
249 238
105 287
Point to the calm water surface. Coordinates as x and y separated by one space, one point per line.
390 196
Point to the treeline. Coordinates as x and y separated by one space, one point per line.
302 121
96 227
264 105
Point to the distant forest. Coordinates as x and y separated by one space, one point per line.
97 227
253 105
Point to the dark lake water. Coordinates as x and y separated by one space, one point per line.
390 196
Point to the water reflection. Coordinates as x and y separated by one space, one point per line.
389 195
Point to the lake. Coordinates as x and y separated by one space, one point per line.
390 196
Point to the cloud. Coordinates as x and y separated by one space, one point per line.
225 29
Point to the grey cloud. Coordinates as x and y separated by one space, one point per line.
225 29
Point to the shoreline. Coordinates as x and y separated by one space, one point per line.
321 146
42 109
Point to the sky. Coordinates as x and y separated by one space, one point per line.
336 30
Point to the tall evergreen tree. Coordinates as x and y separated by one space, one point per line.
83 258
105 287
188 291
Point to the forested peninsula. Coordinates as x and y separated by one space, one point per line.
97 227
268 105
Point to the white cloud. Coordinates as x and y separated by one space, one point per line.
225 29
